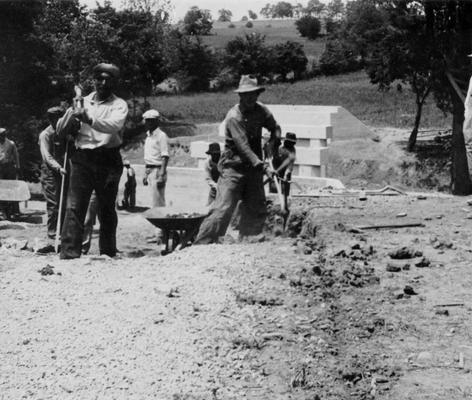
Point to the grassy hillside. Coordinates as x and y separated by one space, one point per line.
352 91
275 31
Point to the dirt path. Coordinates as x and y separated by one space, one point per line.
283 319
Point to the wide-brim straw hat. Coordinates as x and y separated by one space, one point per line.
248 84
151 114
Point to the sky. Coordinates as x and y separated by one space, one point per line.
238 8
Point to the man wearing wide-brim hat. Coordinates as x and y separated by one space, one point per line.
96 163
242 167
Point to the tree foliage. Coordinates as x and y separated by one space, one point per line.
198 21
267 11
252 14
283 9
314 7
289 57
308 26
225 15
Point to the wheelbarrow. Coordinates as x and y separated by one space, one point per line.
179 226
12 191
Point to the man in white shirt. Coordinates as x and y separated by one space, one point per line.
156 157
96 163
9 168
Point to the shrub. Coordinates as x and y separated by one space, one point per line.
289 57
248 55
339 57
308 27
249 24
231 25
244 18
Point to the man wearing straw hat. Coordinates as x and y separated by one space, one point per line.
52 170
241 166
96 163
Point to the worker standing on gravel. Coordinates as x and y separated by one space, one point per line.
129 193
156 157
96 163
211 169
241 165
9 167
283 162
52 169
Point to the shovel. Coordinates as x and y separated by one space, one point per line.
282 198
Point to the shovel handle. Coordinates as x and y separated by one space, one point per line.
61 201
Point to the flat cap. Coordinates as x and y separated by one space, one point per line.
151 114
111 69
2 130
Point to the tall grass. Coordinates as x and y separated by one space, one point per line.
353 91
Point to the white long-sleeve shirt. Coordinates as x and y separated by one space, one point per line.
467 127
108 118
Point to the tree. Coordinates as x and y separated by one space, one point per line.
198 21
225 15
267 11
248 55
25 84
252 14
191 61
449 29
335 10
298 10
308 26
314 7
282 9
244 18
289 57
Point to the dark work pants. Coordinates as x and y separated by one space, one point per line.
51 184
234 185
99 170
129 195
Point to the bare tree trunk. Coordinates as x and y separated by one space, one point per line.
460 178
414 132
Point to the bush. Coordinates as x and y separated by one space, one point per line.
249 24
308 27
339 57
289 57
231 25
244 18
249 55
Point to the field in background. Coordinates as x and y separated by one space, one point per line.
351 91
275 31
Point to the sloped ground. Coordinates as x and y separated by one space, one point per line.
288 318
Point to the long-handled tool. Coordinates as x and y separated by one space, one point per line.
61 201
77 103
282 198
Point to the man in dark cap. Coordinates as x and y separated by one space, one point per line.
52 168
283 162
242 167
96 163
211 169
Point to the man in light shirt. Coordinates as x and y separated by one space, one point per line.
96 163
156 157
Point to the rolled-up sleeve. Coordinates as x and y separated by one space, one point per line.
114 121
45 148
164 145
238 135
